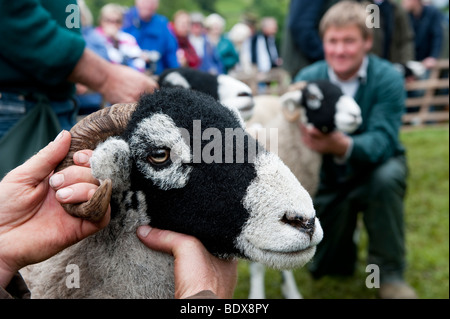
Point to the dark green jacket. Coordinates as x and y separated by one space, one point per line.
382 102
37 50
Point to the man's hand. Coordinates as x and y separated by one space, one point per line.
335 143
196 269
117 83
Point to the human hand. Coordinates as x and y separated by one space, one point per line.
429 63
125 85
33 225
117 83
335 143
195 269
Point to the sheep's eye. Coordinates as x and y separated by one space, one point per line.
244 94
159 156
312 97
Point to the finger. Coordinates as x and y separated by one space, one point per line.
82 158
72 175
167 241
76 193
43 163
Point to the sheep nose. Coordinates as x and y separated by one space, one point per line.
300 222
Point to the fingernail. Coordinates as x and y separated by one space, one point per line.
59 136
81 158
56 180
64 193
143 231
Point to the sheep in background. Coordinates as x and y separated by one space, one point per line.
146 157
319 103
226 89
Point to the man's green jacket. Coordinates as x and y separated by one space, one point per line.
381 97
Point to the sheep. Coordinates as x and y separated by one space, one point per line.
153 161
226 89
319 103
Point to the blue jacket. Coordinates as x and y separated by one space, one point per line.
153 35
211 62
429 34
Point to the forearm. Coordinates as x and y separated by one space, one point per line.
6 274
117 83
91 71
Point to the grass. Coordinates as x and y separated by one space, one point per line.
427 232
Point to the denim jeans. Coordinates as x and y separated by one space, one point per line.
14 106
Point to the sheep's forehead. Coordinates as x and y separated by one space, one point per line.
159 129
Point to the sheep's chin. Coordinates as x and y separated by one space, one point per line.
279 259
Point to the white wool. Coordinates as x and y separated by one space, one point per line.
176 79
237 96
348 114
111 159
264 237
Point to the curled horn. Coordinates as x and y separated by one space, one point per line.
87 134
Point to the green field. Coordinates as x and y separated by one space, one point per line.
427 231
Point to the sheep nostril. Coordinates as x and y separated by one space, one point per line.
300 223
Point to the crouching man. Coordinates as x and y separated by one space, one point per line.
366 171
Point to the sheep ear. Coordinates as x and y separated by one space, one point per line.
290 102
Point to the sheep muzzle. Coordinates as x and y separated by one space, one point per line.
301 223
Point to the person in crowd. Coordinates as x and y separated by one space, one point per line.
46 71
89 101
94 41
215 26
302 45
152 33
426 21
122 47
367 170
197 35
394 39
34 227
211 61
187 55
263 47
240 35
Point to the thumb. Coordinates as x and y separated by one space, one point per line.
43 163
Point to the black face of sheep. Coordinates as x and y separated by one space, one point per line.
173 160
325 106
224 88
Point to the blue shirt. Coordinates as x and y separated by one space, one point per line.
153 35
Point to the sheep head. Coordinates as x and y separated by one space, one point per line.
322 104
174 151
224 88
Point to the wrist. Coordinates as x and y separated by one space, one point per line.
6 274
341 146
